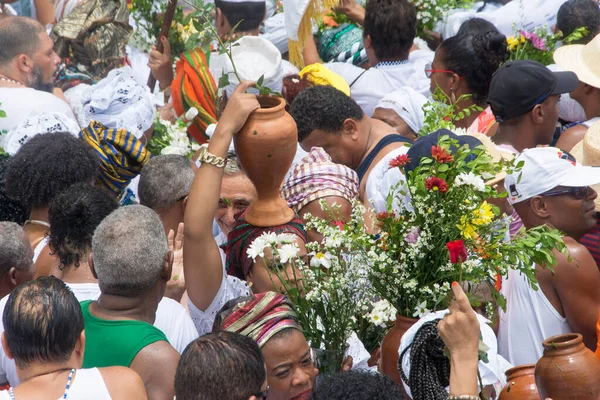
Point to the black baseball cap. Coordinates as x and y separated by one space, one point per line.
421 148
518 86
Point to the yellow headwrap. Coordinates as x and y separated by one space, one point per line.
318 74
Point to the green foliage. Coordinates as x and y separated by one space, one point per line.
442 112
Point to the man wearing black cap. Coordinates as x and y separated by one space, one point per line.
524 99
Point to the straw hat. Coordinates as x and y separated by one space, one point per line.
587 153
496 153
583 60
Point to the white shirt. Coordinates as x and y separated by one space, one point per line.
524 14
19 103
529 319
382 180
171 318
232 288
87 384
378 81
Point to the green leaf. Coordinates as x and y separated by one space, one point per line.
224 80
260 80
235 27
2 114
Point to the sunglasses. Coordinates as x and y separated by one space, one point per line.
430 71
262 394
577 192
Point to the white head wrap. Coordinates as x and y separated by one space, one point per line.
37 124
408 104
117 101
254 57
492 373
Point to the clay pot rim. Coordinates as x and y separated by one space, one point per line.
278 103
518 368
562 341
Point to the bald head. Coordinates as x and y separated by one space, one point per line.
18 35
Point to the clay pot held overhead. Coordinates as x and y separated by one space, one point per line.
568 370
265 148
520 384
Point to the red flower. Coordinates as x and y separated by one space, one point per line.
440 155
457 250
382 216
498 283
400 161
436 184
339 224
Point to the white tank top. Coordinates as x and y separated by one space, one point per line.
529 319
88 384
39 248
590 122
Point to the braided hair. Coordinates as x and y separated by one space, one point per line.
429 366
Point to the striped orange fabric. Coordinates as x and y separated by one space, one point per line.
194 86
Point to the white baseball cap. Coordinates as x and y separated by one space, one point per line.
545 168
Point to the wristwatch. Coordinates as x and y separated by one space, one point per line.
205 157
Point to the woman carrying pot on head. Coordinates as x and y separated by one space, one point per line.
209 285
462 69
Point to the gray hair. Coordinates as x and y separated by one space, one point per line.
129 248
18 35
164 180
14 250
233 166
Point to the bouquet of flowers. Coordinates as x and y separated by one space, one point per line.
172 138
441 113
328 289
539 45
450 232
430 12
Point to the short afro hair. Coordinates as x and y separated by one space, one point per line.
74 215
10 210
324 108
577 13
46 165
392 26
355 385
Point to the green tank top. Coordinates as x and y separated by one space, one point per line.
115 343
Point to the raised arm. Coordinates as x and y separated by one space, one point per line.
202 264
576 282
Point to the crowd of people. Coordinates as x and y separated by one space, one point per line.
126 274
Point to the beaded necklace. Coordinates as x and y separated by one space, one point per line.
67 386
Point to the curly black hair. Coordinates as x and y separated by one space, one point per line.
392 26
10 210
74 215
354 385
324 108
46 165
475 58
577 13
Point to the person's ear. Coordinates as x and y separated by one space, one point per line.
220 20
587 89
80 345
91 264
12 276
184 205
537 114
367 42
5 347
539 207
168 266
24 63
350 127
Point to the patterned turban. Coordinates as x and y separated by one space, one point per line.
194 86
243 235
122 156
261 317
315 177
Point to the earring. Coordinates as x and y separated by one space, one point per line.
452 96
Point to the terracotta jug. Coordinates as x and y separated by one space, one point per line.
265 148
520 384
568 370
388 364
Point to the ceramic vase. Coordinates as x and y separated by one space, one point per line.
520 384
265 148
568 369
388 364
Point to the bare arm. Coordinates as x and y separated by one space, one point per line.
156 364
352 10
202 264
571 137
44 11
310 53
123 383
576 283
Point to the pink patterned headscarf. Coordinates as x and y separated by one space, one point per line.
315 177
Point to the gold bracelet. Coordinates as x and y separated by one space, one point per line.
463 397
208 158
